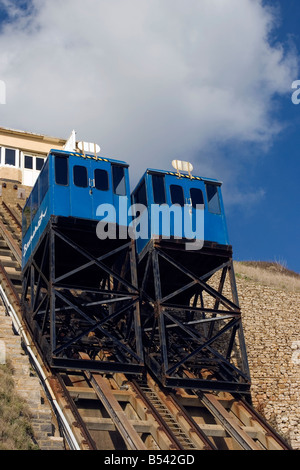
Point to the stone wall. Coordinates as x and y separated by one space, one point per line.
272 333
28 387
13 193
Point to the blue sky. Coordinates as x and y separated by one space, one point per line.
271 231
154 81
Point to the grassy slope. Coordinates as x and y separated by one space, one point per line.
15 428
268 273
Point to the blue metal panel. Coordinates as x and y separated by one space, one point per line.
70 195
36 229
215 229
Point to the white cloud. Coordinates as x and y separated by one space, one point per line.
148 80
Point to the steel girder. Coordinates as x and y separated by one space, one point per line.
192 329
80 295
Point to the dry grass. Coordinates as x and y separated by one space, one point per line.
270 274
15 429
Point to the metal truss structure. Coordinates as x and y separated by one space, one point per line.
80 295
192 328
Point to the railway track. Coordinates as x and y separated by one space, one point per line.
114 412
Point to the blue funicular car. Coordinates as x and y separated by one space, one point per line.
169 188
71 185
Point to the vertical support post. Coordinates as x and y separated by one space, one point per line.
51 288
159 313
137 318
32 297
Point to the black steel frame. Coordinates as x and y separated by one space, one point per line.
187 343
80 295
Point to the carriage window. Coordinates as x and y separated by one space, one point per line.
28 162
80 176
10 157
44 182
39 163
213 199
101 180
196 196
61 171
140 196
158 185
177 196
118 176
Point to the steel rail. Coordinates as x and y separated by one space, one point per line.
229 423
270 432
118 416
12 244
67 396
12 215
174 441
208 445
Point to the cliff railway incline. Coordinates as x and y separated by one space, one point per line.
116 410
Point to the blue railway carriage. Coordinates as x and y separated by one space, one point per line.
71 185
80 298
169 188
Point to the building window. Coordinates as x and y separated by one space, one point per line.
196 196
213 199
158 185
28 162
118 176
101 180
177 196
10 157
61 171
39 163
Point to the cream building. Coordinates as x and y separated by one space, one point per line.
22 155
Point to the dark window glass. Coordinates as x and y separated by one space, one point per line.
196 196
39 163
44 181
177 196
159 193
213 199
80 176
101 180
61 171
118 176
28 162
10 157
140 196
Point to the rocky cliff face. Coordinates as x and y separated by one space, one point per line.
270 312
